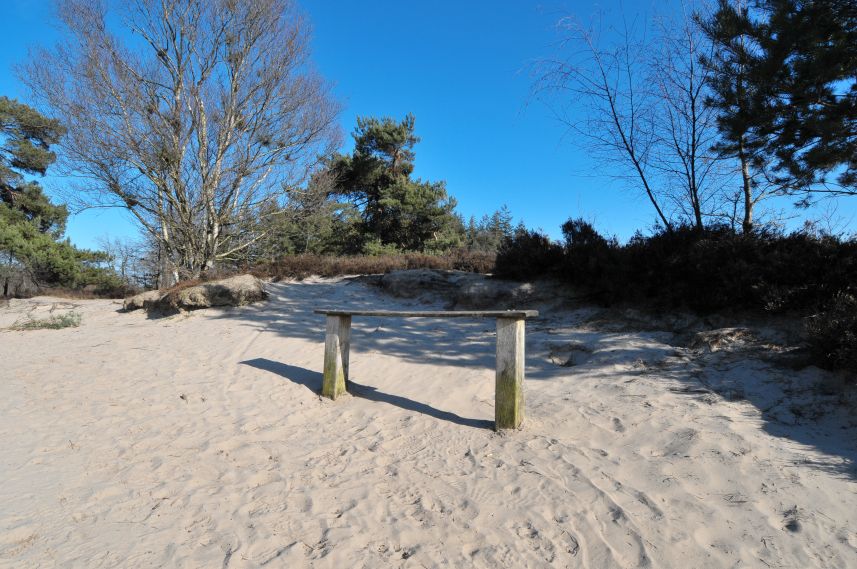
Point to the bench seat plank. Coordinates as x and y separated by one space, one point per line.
433 313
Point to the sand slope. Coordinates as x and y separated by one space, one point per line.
200 441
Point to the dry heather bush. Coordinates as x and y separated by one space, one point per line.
171 295
219 291
88 293
473 261
306 265
303 266
68 293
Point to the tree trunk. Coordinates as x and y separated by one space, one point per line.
697 208
168 275
747 224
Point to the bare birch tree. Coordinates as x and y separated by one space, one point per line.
685 125
190 114
603 98
639 106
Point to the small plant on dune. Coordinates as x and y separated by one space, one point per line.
55 322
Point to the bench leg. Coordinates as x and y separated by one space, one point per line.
509 394
336 345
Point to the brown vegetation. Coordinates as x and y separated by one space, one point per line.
302 266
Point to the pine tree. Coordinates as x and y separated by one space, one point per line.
31 227
487 234
786 90
397 211
736 96
808 75
310 222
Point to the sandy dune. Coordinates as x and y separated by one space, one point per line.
200 441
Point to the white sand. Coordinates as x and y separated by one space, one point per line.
200 441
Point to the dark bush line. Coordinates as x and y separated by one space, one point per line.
303 266
527 254
707 271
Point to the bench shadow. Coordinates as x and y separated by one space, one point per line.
312 381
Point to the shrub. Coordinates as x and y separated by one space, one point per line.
55 322
472 261
589 257
375 248
710 269
527 254
832 334
703 270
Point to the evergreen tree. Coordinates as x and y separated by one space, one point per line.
396 210
786 89
487 234
735 97
25 150
310 222
808 72
31 227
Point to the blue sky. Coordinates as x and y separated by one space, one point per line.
463 69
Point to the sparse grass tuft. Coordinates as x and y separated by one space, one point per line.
67 320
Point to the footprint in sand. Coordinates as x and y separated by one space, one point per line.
791 519
680 442
536 541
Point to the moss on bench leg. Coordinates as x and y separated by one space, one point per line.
336 346
509 394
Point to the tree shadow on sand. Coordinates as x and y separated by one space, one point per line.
312 381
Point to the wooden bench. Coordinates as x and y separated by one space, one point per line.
508 396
